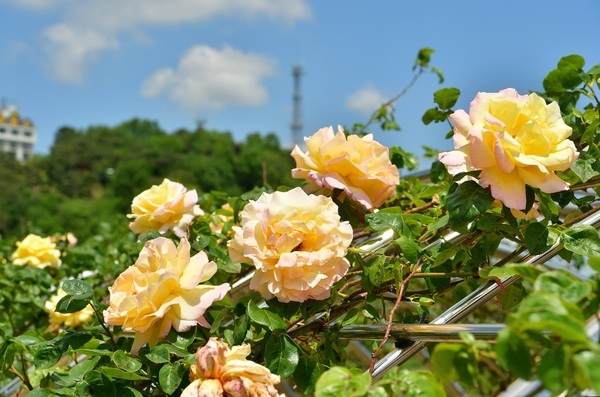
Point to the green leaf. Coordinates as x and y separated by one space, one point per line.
281 355
120 374
410 249
265 317
465 203
442 361
551 369
571 61
536 238
511 296
446 97
126 362
71 304
39 393
159 354
47 355
100 385
381 221
513 353
583 240
420 384
77 288
306 375
589 362
423 57
170 376
79 371
340 381
434 115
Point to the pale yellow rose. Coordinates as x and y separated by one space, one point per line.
161 291
515 140
360 167
220 371
297 243
168 206
72 320
36 251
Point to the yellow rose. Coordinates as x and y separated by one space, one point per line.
168 206
515 140
36 251
297 243
161 291
69 319
360 167
220 371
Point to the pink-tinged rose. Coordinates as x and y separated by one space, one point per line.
515 140
71 320
360 167
163 290
297 243
168 206
221 371
37 252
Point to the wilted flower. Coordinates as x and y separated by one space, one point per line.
297 243
220 371
515 140
162 291
72 320
168 206
36 251
360 167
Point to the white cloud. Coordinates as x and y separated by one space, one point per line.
211 78
93 26
366 100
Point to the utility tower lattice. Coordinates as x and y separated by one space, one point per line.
297 116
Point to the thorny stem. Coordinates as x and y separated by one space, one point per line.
102 324
394 99
391 315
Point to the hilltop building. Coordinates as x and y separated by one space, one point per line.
17 135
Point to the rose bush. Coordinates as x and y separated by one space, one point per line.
37 252
161 291
515 140
168 206
359 166
297 243
332 286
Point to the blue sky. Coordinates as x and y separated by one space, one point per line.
228 62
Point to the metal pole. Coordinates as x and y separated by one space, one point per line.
469 304
421 332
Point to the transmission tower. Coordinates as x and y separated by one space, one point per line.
297 116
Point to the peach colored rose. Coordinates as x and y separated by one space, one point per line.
168 206
297 243
72 320
36 251
515 140
360 167
220 371
161 291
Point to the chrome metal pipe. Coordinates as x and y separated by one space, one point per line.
470 303
421 332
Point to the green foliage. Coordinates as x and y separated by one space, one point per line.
86 184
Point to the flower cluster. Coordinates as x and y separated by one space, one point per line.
161 291
515 140
71 320
37 252
297 243
221 371
168 206
360 167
